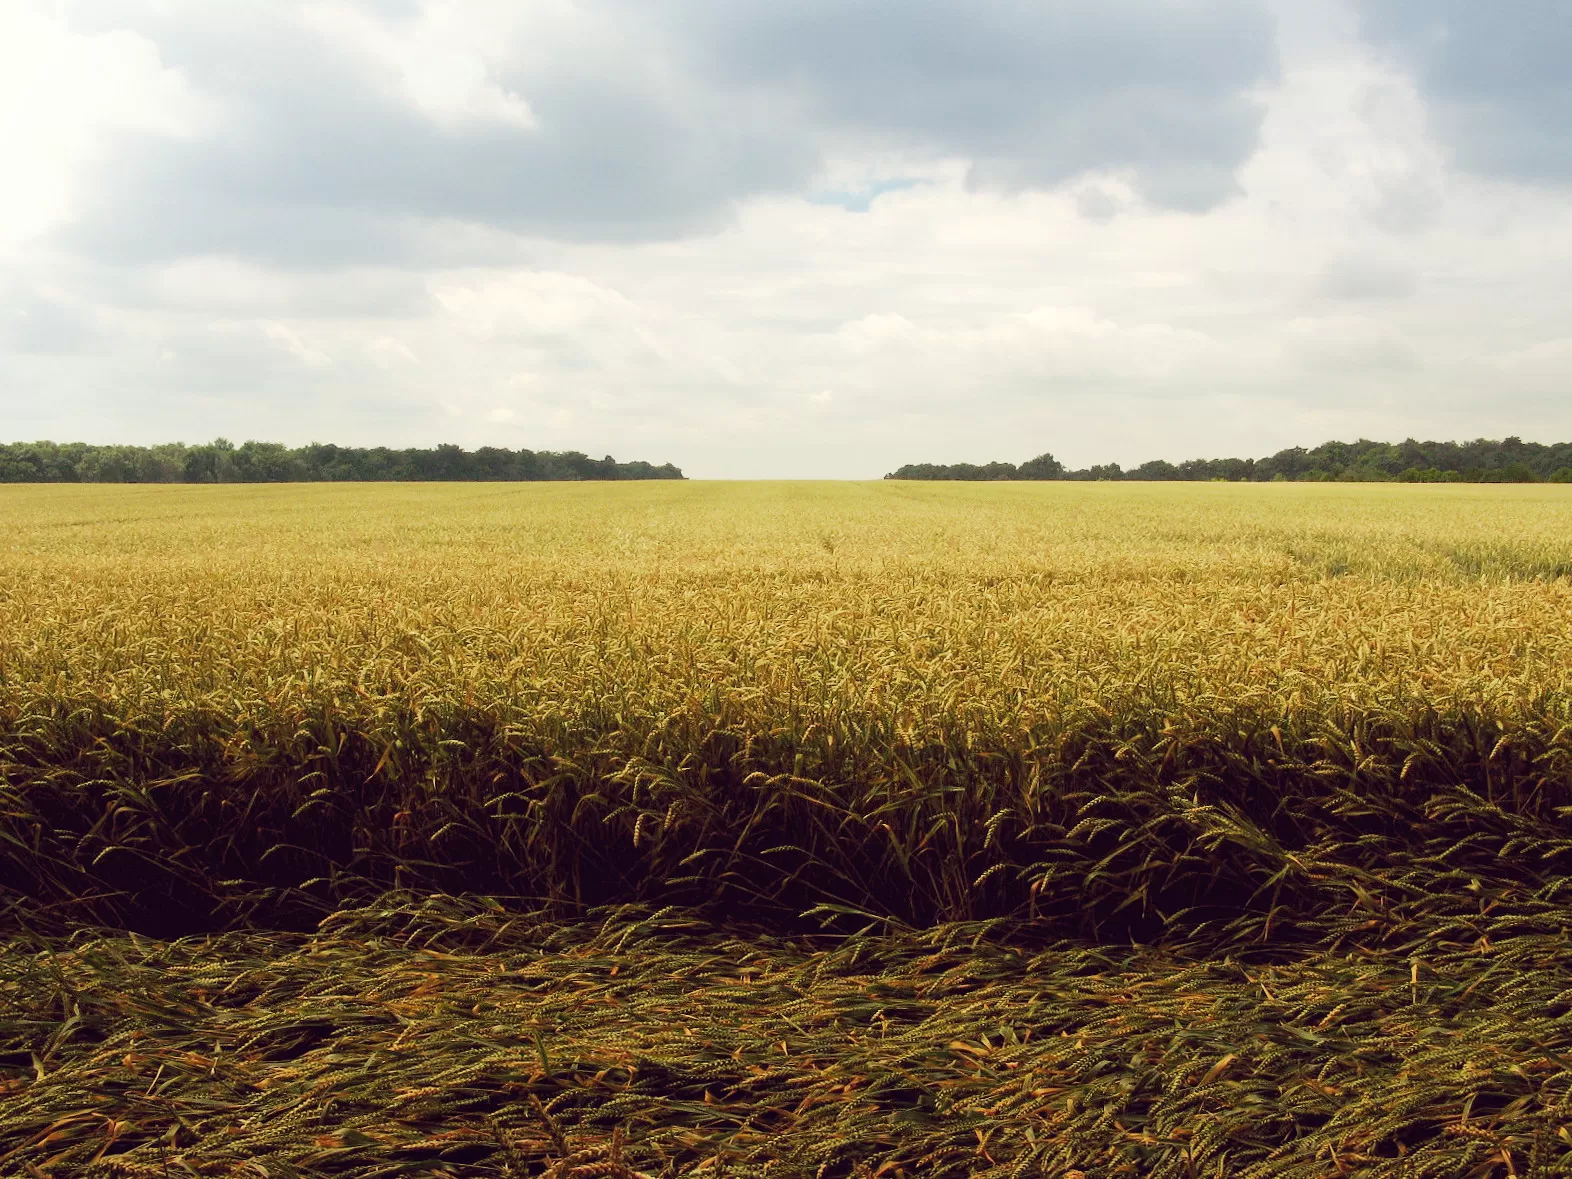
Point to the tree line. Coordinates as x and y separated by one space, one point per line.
1510 460
221 461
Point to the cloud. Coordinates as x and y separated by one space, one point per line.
532 306
1031 95
65 95
772 238
46 324
1357 278
1350 344
290 343
1496 78
1096 203
1062 354
343 134
389 353
1541 368
861 198
345 130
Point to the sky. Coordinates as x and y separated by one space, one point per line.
787 238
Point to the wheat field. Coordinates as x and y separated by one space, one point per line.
787 829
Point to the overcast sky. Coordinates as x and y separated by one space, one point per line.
787 237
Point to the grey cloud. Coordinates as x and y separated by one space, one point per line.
319 164
38 324
1096 203
239 360
1351 345
1496 77
1033 94
704 103
861 200
1356 279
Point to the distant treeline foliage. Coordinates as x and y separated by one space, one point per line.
1510 460
221 461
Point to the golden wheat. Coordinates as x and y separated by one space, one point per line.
1310 746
